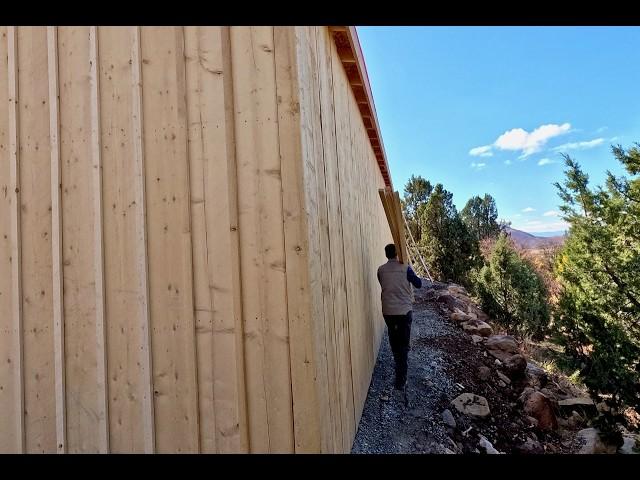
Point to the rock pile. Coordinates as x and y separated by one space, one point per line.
546 407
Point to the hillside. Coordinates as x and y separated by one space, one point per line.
528 241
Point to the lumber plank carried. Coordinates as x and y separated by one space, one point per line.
393 211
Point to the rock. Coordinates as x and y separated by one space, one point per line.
501 383
537 376
487 446
447 416
530 446
484 372
460 317
502 346
506 343
458 289
525 394
504 378
549 394
515 366
451 302
540 407
592 443
471 404
473 309
477 327
575 420
631 444
498 362
476 338
533 421
448 451
578 401
583 404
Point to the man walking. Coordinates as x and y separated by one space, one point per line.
396 280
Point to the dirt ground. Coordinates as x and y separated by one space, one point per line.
443 363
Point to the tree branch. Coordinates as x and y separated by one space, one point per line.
622 286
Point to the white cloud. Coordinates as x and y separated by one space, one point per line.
551 213
518 215
601 129
545 161
508 162
478 166
580 145
530 142
536 226
528 209
484 151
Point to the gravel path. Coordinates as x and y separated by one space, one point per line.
443 363
387 424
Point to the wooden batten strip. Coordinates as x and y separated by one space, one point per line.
56 241
141 222
403 257
16 253
388 210
101 350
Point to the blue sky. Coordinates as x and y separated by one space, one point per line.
489 109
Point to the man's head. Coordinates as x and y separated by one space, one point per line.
390 251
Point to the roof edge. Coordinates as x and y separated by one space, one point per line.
350 53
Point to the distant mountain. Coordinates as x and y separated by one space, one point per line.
557 233
527 241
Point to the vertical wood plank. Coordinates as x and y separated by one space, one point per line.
169 240
232 182
326 219
304 299
263 268
342 243
13 381
101 348
203 301
216 316
85 369
56 241
35 241
126 297
142 257
9 440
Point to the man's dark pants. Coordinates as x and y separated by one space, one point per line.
399 335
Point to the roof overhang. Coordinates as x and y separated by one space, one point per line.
350 53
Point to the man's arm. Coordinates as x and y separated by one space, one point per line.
415 280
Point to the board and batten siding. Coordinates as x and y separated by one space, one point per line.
189 234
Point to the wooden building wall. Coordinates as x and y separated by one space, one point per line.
189 231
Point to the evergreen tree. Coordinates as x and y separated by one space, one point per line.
480 215
416 194
511 291
598 313
448 247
